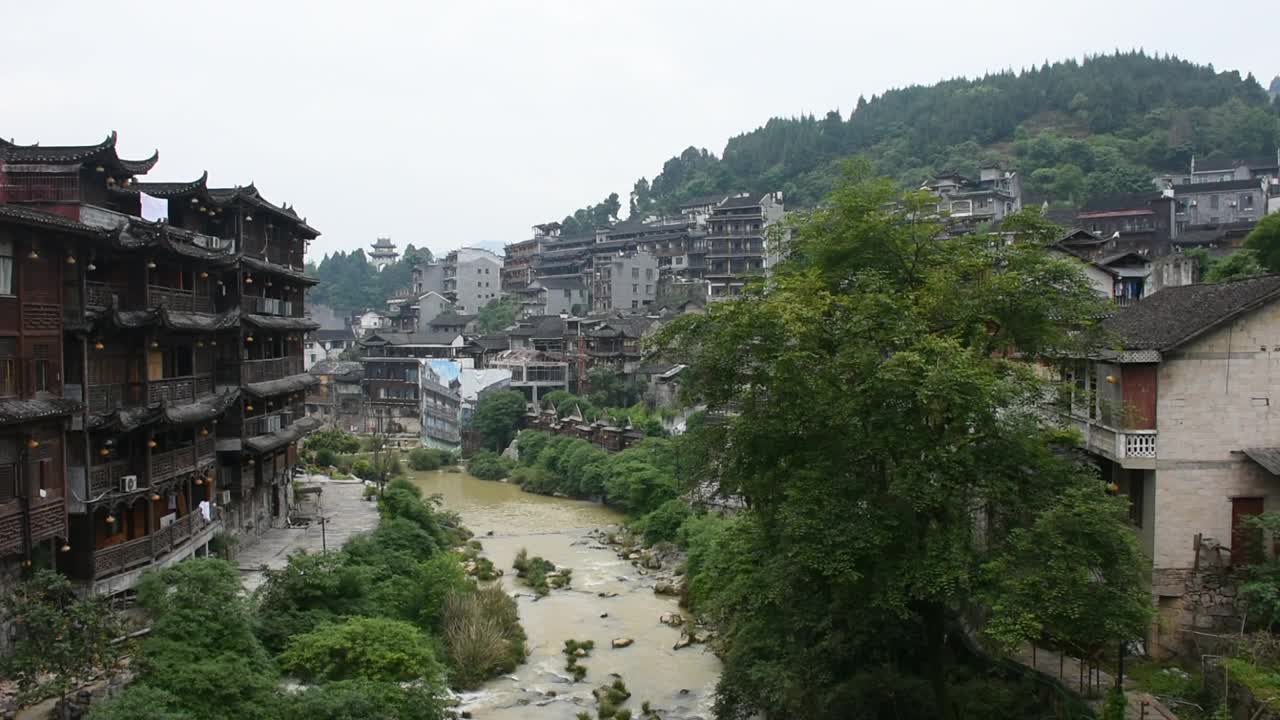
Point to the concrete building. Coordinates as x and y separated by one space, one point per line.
995 194
325 345
383 253
1176 409
338 399
736 241
472 278
1223 202
431 305
623 280
533 372
441 405
561 295
427 277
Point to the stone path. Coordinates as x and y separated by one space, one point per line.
1067 670
345 511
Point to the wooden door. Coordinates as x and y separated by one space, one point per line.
1139 396
1246 541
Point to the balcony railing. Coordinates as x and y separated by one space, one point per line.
41 187
170 464
267 306
264 424
142 551
178 300
253 371
179 389
105 478
100 294
1137 449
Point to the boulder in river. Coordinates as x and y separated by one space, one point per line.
619 643
665 587
684 642
673 619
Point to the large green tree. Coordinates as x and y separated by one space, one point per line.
498 417
1264 241
874 405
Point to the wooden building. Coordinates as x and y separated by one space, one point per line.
157 332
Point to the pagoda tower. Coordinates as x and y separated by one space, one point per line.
384 253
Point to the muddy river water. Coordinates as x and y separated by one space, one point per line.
679 684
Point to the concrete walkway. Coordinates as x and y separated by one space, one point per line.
345 512
1067 669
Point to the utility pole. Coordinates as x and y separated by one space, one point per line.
324 544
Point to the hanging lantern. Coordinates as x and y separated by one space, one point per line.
155 497
91 267
151 264
104 452
248 280
98 345
33 255
249 408
204 432
213 342
250 462
152 444
111 182
65 547
111 519
199 481
154 344
199 343
194 201
248 218
249 339
203 274
100 169
71 259
33 443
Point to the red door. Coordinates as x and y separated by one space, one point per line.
1246 541
1139 395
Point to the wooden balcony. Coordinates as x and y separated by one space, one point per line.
264 424
252 371
179 390
170 464
105 478
100 294
105 398
178 300
144 550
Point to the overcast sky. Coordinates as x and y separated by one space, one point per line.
461 123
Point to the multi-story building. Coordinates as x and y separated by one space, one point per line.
560 295
736 241
472 278
427 277
441 405
177 339
533 372
995 194
338 399
1140 222
624 280
383 253
1222 202
1175 409
323 344
1228 169
519 259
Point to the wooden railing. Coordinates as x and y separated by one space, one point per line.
105 478
267 306
100 293
179 389
252 371
105 398
179 300
142 551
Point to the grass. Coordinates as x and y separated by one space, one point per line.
482 635
539 574
573 651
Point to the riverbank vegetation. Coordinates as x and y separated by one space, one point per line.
873 412
381 628
540 574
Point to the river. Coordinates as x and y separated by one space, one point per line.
679 684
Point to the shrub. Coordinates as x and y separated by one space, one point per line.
362 648
663 524
488 466
326 457
482 635
140 701
310 590
333 440
362 469
540 574
359 699
421 460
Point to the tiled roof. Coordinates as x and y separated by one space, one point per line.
1223 186
15 411
104 151
292 383
742 201
1113 203
1222 164
24 215
1176 315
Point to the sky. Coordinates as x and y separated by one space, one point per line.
465 123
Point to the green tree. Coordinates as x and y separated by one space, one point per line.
497 418
365 700
61 637
1264 240
873 401
498 314
362 648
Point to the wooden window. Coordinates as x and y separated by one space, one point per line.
8 482
8 367
6 267
1246 541
43 371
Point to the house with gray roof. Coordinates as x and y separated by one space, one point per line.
1175 408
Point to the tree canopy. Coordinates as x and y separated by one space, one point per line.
1264 240
497 418
349 282
875 409
1073 130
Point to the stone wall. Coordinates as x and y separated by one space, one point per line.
1188 601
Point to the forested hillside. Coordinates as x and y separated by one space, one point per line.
349 282
1074 130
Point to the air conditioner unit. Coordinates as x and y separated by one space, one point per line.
128 483
1193 203
224 497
